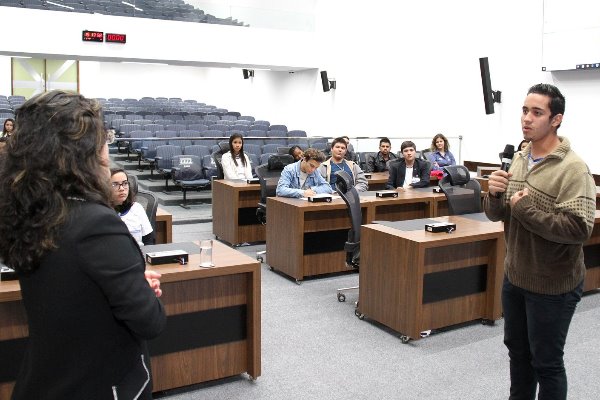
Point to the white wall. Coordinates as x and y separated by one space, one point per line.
416 66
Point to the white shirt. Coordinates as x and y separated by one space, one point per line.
408 177
232 171
137 222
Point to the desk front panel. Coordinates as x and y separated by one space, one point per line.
414 281
410 204
164 226
591 252
234 205
13 339
307 238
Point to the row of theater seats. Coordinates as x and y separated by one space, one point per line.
8 105
175 10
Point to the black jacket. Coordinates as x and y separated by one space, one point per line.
90 310
376 163
421 171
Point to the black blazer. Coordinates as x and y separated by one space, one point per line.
89 309
421 169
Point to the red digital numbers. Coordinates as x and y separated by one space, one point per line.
92 36
116 38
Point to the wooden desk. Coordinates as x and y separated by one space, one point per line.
484 183
591 252
164 226
308 238
234 205
213 329
378 180
434 279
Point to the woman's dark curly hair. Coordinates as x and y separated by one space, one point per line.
53 157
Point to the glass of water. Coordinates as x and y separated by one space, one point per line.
206 251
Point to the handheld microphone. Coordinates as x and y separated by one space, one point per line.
507 156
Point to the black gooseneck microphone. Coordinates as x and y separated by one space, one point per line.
507 156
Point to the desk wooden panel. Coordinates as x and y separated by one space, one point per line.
378 180
292 224
234 205
164 226
234 282
393 289
591 251
308 239
484 183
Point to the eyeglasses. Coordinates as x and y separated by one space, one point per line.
110 136
117 185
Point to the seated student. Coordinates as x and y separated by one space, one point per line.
350 154
236 164
337 163
7 128
301 179
408 172
379 162
440 155
296 152
522 145
131 212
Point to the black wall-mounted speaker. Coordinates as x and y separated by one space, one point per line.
325 81
488 96
246 73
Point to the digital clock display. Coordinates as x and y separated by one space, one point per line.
116 38
92 36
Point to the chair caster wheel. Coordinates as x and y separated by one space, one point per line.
260 259
359 315
405 339
341 297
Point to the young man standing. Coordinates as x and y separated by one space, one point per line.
547 203
337 163
301 179
408 172
379 162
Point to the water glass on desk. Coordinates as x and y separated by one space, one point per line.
206 251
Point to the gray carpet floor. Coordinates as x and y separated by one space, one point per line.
314 347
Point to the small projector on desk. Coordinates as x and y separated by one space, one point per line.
320 199
368 175
253 180
167 257
7 274
440 227
386 193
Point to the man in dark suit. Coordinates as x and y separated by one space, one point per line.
409 171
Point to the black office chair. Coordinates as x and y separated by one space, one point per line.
268 177
344 185
217 155
150 203
462 192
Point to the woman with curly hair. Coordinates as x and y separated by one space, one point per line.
440 155
90 305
